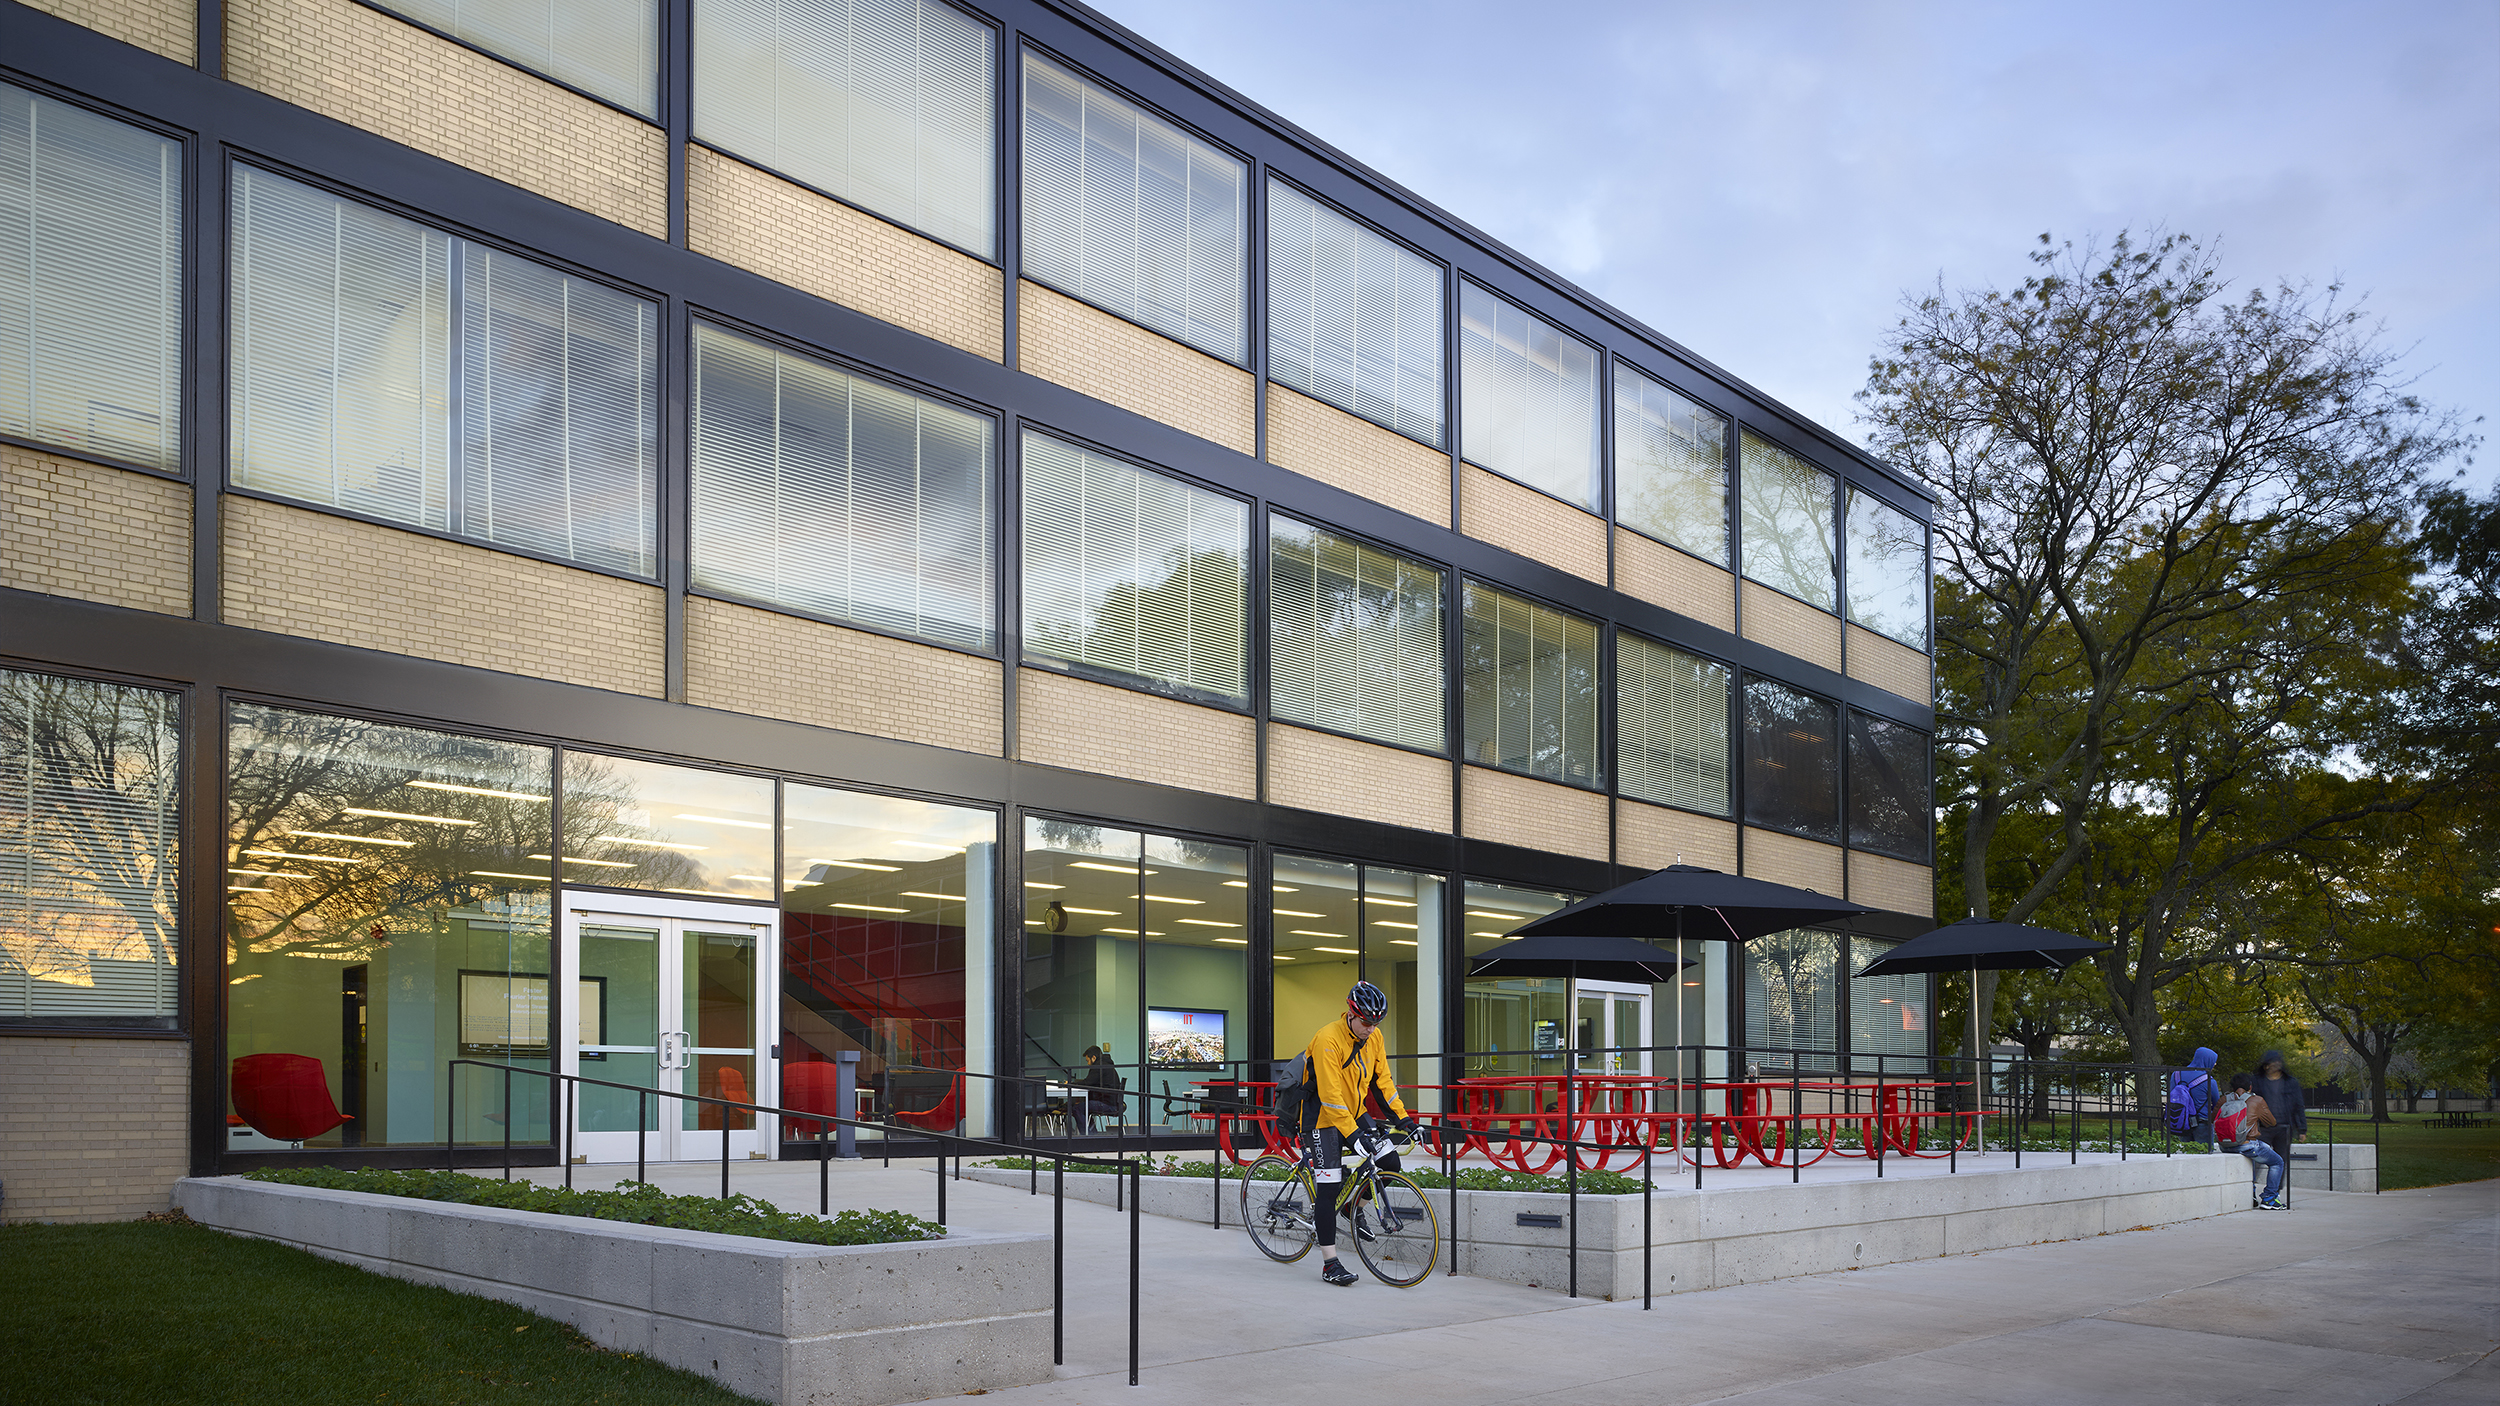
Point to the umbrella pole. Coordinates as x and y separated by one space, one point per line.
1679 1020
1979 1077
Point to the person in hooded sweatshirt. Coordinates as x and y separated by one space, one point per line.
2289 1102
2203 1094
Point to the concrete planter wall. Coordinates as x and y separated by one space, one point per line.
802 1325
1740 1235
2355 1164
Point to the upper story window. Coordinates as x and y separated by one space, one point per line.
1528 398
1530 675
1891 810
887 105
1787 523
1887 569
1671 725
1133 572
90 282
1134 215
385 368
607 49
1792 761
1354 638
840 496
1670 466
1353 318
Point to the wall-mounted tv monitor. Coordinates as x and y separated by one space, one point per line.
1180 1037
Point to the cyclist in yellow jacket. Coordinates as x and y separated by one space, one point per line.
1348 1060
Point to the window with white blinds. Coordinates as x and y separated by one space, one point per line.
884 103
1671 709
839 496
1134 215
1887 1014
1528 398
1530 679
1354 638
1887 569
1135 573
1353 318
1792 998
1670 466
89 852
1787 522
385 368
90 282
605 48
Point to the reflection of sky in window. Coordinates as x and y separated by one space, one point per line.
1494 909
848 852
645 825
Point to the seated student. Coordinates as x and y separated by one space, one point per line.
2240 1125
1103 1088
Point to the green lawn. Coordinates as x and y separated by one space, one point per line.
2414 1154
160 1313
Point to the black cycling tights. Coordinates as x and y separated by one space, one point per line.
1327 1157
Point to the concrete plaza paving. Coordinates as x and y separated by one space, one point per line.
2348 1298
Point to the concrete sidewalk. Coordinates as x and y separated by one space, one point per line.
2346 1299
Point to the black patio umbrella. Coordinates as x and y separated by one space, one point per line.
1581 958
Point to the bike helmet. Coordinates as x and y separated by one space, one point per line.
1367 1001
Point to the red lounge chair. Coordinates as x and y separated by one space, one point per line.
808 1086
940 1117
283 1097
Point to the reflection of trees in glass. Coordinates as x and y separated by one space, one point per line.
1787 523
604 814
1887 570
1354 638
1790 1000
1792 761
1889 809
88 838
1530 677
1670 466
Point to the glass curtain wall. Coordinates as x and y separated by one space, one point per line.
666 829
1354 638
1786 522
606 49
1792 995
385 917
1135 946
90 282
1671 712
1887 570
1528 399
1337 923
1529 675
1792 761
1353 318
1513 1025
889 944
1890 810
90 849
1670 466
1887 1014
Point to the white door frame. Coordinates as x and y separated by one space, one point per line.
1610 1037
670 1140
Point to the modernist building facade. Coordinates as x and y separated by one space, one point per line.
671 539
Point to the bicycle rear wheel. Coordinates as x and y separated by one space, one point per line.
1280 1214
1405 1239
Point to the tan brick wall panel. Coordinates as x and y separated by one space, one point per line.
1521 810
366 69
1086 349
167 27
792 235
1087 726
1892 667
1892 885
747 660
1792 626
1663 576
1317 440
98 1128
1653 837
1785 859
299 572
1340 776
94 533
1493 509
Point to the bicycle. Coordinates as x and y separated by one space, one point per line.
1392 1223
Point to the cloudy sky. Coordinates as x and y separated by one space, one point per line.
1762 181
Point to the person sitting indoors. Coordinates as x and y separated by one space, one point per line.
2240 1124
1103 1088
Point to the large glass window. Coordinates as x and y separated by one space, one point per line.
1792 998
840 496
604 48
1890 810
1787 523
1353 318
1134 572
670 829
90 282
1135 946
1887 569
883 103
385 368
1792 761
89 850
888 942
1670 466
387 913
1671 711
1354 638
1887 1014
1336 924
1514 1025
1530 680
1134 215
1528 398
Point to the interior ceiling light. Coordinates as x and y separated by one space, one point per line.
1208 923
1111 868
869 907
290 854
1159 898
1306 932
1093 912
246 888
1235 941
724 820
404 815
1282 957
859 864
941 897
600 863
1284 888
649 844
481 791
491 874
1388 902
354 839
1294 913
1486 913
1236 883
1385 923
1031 884
1402 941
1341 951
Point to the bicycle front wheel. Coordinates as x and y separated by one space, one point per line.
1404 1239
1278 1208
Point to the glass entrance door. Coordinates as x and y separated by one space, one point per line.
1612 1035
669 995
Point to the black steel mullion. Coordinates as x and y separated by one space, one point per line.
677 105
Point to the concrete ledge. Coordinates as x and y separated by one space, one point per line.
2354 1164
861 1325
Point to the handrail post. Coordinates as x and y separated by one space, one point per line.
570 1092
724 1152
1137 1194
1571 1176
1879 1115
451 1118
1796 1131
941 1176
824 1175
642 1117
1649 1201
507 1122
1058 1261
